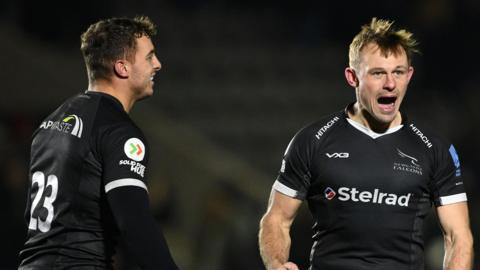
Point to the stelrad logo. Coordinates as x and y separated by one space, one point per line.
378 197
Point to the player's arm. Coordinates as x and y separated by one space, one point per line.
141 233
457 236
274 235
125 160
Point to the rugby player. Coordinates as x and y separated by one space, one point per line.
88 164
369 174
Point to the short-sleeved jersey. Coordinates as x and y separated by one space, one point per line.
85 148
369 193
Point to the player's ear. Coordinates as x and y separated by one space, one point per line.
410 73
121 68
351 77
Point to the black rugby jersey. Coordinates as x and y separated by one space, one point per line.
80 152
369 193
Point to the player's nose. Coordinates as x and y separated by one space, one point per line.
156 63
390 82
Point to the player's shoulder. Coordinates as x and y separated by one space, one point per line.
109 109
322 127
65 118
110 115
426 135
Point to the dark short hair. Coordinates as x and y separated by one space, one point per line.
389 40
108 40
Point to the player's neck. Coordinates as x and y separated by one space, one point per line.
364 118
108 88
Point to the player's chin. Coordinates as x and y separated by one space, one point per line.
385 118
145 94
149 90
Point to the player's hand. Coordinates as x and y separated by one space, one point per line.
288 266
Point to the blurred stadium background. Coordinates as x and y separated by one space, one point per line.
239 78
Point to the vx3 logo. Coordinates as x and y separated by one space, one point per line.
337 155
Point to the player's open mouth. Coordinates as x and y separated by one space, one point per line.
387 103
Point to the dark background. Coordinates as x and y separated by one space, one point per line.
239 78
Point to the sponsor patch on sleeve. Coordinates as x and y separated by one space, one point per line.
135 167
134 149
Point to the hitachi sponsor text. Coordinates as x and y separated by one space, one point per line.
422 137
326 126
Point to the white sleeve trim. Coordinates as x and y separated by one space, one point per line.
461 197
125 182
285 190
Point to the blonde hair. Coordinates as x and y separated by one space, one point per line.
389 40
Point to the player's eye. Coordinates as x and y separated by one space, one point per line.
399 73
377 74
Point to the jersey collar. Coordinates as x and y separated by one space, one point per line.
110 97
368 131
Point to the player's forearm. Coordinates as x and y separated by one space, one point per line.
143 238
274 243
458 252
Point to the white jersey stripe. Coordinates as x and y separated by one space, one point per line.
125 182
461 197
285 190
